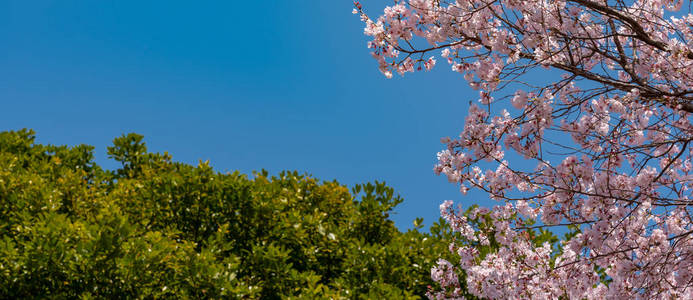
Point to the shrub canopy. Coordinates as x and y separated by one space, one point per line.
158 228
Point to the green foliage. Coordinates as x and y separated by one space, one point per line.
156 228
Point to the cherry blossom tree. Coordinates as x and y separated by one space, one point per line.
583 122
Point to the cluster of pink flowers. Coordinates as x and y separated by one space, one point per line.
602 149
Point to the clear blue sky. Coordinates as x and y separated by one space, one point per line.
245 84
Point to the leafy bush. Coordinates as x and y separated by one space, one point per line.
159 228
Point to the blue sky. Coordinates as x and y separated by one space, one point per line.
245 84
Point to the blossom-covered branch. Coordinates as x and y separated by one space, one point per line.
599 143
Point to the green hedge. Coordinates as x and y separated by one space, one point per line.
156 228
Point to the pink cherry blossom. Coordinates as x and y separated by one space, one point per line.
602 149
